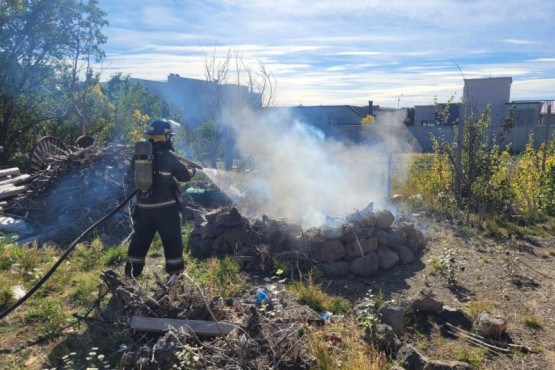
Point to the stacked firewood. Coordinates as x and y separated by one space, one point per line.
12 183
67 196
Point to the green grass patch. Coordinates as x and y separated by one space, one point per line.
313 296
473 356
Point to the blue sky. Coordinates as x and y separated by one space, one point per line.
327 52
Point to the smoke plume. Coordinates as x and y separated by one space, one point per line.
296 173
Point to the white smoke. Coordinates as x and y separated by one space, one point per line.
301 176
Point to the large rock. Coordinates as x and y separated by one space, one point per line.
489 325
353 232
384 219
387 258
415 238
327 250
358 248
410 359
405 254
383 338
393 315
365 266
393 237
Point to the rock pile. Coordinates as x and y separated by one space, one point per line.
364 243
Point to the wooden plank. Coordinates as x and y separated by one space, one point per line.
199 327
9 172
16 180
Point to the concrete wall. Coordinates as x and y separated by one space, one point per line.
403 138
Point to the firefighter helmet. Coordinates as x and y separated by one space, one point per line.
159 127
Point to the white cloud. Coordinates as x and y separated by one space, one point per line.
334 52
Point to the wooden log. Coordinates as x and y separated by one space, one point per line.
9 172
16 180
11 224
199 327
49 234
10 191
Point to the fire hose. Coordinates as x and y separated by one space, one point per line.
68 250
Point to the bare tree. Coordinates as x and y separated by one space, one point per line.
254 87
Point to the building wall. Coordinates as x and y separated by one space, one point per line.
425 115
403 138
196 98
479 92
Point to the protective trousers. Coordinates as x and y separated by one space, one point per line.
147 221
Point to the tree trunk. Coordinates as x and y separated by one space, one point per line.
6 120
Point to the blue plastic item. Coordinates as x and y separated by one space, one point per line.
261 295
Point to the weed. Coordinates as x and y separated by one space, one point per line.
338 305
83 288
48 314
19 260
444 265
226 275
115 256
368 309
345 351
282 266
311 295
217 275
475 307
474 356
532 322
89 256
6 294
435 266
552 252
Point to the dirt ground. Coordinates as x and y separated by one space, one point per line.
514 278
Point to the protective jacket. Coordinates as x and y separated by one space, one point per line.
168 173
158 211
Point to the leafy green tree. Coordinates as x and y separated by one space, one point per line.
37 38
86 39
478 165
132 107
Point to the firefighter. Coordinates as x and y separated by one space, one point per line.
158 209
